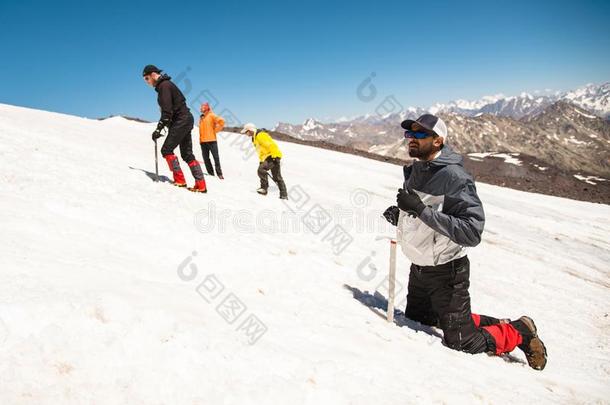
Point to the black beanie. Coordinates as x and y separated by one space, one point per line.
148 69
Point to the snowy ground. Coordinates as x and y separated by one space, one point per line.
102 299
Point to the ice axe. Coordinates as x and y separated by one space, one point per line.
392 281
156 163
391 277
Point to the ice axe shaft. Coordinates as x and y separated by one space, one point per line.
392 281
156 162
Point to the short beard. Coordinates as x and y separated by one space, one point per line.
420 153
415 153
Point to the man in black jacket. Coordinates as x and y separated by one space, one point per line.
176 117
439 215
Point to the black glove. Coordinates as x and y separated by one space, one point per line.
162 124
156 135
410 202
391 214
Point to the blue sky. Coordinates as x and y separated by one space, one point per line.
269 61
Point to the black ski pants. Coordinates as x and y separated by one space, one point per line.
438 296
179 134
206 149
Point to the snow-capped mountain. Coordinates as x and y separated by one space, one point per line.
495 123
465 107
592 98
517 107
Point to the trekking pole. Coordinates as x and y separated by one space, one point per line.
392 281
156 163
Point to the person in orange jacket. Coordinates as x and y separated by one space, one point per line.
209 125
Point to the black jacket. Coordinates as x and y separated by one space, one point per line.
171 102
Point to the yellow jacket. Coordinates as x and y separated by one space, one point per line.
265 146
209 125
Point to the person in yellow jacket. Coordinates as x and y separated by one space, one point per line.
269 155
209 125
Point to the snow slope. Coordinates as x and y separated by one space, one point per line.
102 301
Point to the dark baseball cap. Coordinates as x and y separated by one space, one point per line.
428 123
148 69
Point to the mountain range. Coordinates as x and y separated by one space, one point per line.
570 130
593 98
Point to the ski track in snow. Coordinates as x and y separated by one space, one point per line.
92 309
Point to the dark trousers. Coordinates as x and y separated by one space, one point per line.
273 165
438 296
179 134
206 149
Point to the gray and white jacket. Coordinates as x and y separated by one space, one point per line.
453 218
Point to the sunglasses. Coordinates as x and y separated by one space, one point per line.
416 134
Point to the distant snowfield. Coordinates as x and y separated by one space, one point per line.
116 289
589 179
508 157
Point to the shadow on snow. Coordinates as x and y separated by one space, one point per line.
153 176
378 304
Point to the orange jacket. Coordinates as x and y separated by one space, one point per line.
209 125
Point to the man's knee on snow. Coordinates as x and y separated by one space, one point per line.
452 340
468 343
452 330
460 333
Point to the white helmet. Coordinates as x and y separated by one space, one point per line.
249 127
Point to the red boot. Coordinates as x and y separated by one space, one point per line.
174 166
199 187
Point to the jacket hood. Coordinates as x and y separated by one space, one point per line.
162 78
448 157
